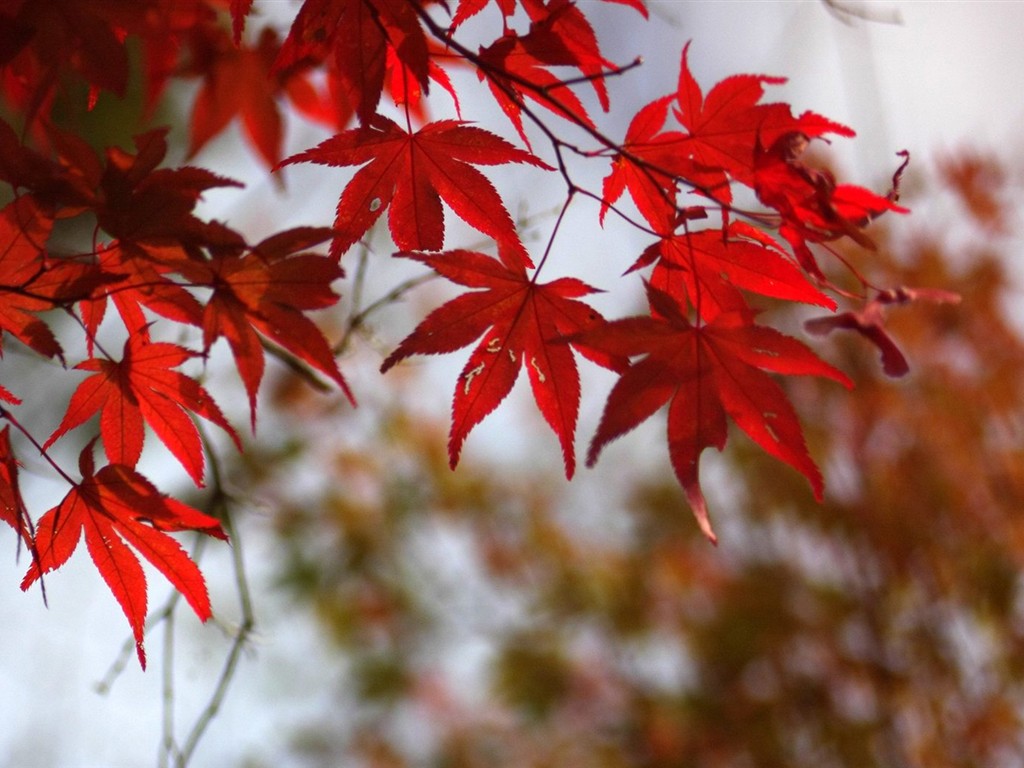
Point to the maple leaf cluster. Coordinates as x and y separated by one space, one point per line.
364 69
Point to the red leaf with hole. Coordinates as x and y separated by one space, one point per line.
523 324
410 174
705 373
118 510
142 388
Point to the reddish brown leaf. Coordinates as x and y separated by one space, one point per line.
869 322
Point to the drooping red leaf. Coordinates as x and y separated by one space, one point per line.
142 388
409 174
813 207
523 324
869 322
705 373
114 508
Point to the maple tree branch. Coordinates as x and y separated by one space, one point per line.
241 637
296 365
220 506
6 414
613 72
359 318
496 76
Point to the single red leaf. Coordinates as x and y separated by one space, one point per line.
523 324
725 125
705 373
409 174
267 290
352 37
111 507
648 165
142 388
709 268
516 67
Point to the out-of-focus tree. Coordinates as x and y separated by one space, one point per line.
486 620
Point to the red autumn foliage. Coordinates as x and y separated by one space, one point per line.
701 350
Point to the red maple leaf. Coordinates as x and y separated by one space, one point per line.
648 165
143 388
726 125
32 282
236 83
352 37
411 173
705 373
136 278
516 67
114 508
707 269
265 291
523 324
